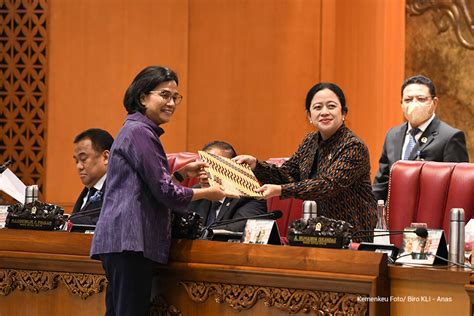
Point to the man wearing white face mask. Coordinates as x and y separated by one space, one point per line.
422 137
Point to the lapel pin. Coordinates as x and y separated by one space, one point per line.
424 140
228 203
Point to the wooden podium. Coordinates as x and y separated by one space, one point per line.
212 278
50 273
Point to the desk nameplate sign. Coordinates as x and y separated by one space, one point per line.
261 231
419 250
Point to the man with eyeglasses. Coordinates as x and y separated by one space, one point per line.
423 137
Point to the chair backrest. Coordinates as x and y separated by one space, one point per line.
291 208
178 160
425 192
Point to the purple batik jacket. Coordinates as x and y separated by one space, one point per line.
139 194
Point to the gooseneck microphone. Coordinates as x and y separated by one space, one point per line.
5 165
419 231
270 215
92 211
274 215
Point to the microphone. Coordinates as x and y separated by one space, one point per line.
5 165
436 256
93 211
419 231
270 215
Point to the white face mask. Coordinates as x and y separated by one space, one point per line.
417 113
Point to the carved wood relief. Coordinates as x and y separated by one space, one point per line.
159 307
80 284
458 14
23 39
241 297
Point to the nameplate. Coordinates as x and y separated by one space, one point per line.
261 231
29 223
419 250
295 239
3 215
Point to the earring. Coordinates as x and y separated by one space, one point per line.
310 122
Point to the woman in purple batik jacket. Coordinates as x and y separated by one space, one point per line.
134 227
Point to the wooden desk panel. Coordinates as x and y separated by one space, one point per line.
430 291
53 273
49 273
287 279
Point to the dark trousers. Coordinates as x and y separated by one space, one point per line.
130 279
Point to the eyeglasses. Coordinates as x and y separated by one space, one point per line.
422 99
167 96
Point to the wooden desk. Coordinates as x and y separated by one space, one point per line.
52 272
49 273
430 291
272 280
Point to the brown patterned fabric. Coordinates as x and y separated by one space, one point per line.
341 188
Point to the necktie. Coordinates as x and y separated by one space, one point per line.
92 191
411 142
211 217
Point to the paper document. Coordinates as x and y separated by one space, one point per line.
11 185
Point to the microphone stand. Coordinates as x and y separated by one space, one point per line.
206 230
5 165
420 232
93 211
436 256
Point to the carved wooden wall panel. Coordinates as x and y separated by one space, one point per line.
457 15
80 284
439 38
23 63
242 297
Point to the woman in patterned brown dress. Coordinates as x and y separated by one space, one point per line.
331 166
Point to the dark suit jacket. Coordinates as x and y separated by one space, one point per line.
230 209
90 206
341 186
439 142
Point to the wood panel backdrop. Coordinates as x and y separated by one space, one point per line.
244 67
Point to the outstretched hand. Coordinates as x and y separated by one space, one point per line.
193 169
270 190
250 160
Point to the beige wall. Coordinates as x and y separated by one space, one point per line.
244 66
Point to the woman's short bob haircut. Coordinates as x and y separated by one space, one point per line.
144 82
326 85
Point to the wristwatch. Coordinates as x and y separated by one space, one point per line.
178 176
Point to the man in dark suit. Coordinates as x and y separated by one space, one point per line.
422 137
91 154
229 208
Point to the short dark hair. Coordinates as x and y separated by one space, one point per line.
420 79
220 145
326 85
101 140
143 83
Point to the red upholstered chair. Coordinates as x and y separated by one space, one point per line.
178 160
425 192
291 208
